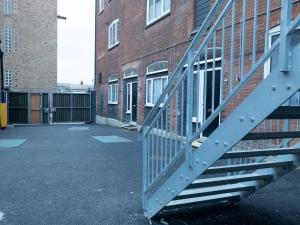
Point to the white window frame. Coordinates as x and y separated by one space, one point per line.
8 7
162 12
111 87
113 34
8 39
101 6
135 75
8 78
151 80
157 71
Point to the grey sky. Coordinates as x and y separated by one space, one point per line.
76 41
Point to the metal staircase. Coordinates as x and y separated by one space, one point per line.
240 103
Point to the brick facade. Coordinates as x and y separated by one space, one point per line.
33 60
140 46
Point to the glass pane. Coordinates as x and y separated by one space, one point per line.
274 58
149 93
157 89
151 10
158 66
109 93
130 73
167 5
158 8
128 97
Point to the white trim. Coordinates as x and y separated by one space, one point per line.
152 103
101 6
157 71
162 13
203 62
110 94
129 85
115 32
136 75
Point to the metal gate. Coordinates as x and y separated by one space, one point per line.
48 108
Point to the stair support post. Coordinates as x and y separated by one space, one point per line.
284 47
189 109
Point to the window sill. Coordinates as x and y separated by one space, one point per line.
113 103
113 46
157 19
100 12
149 105
128 112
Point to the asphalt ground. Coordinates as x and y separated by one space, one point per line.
64 177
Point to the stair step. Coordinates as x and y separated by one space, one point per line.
222 189
203 200
271 135
208 182
264 152
250 166
286 112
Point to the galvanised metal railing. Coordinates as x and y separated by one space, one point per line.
226 60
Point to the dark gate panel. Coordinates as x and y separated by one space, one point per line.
71 107
18 108
45 108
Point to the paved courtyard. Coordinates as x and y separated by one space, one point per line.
91 175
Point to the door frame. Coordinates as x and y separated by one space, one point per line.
129 84
200 118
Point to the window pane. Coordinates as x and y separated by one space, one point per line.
128 97
149 93
167 5
157 89
157 66
151 10
158 8
116 94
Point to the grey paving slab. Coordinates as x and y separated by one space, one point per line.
79 129
11 143
59 177
111 139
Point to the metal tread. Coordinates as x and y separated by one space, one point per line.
208 182
222 189
271 135
250 166
264 152
285 112
203 200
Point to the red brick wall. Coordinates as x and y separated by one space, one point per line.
139 45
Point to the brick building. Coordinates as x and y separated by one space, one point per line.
136 49
148 40
28 31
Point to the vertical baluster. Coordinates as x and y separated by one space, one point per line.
213 74
166 139
176 123
181 113
152 153
145 161
198 93
189 108
205 85
232 47
223 58
156 157
171 129
254 33
161 141
148 158
243 39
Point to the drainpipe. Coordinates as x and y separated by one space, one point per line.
1 69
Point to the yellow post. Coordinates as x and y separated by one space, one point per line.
3 115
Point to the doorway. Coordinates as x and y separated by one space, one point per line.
132 101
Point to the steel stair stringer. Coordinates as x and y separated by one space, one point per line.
264 99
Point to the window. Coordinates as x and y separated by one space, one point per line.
8 78
113 78
8 7
113 33
8 39
101 5
157 9
154 88
157 67
113 94
130 73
